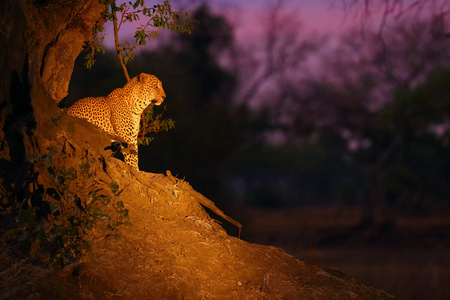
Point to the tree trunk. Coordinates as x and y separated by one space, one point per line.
40 41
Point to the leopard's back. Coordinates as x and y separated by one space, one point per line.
95 110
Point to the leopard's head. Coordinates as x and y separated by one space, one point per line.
151 91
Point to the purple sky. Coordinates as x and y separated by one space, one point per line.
316 16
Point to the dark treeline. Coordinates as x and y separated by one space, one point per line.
371 128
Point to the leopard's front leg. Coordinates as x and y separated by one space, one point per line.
131 156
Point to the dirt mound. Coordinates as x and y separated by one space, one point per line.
172 250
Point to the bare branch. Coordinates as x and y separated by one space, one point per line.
281 51
118 50
383 10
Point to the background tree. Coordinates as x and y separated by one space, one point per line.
383 12
280 52
360 81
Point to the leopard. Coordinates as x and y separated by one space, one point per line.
119 113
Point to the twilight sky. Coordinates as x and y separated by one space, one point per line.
321 16
316 16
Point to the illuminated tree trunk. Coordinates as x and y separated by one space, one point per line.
40 41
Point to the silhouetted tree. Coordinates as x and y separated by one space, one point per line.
360 81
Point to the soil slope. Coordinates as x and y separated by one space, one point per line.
172 250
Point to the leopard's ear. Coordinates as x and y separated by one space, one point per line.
143 77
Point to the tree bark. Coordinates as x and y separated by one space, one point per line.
40 41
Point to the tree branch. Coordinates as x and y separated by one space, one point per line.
116 43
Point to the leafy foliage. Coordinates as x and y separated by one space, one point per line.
157 16
152 124
56 221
